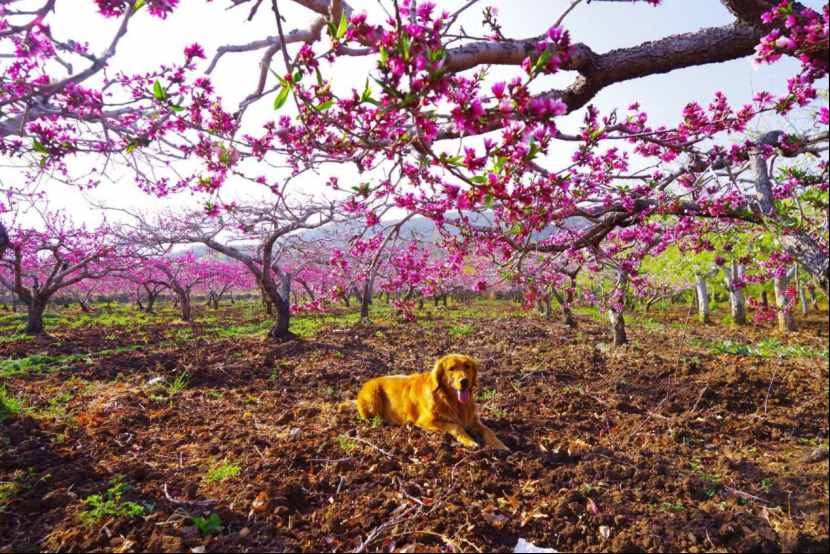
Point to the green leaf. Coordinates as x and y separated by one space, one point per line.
325 105
541 61
159 92
436 55
488 201
384 55
499 165
282 96
139 4
367 92
479 179
208 526
344 25
405 47
39 147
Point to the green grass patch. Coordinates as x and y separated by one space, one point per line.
462 330
485 395
33 363
651 324
56 407
10 406
346 444
112 504
767 348
222 472
15 338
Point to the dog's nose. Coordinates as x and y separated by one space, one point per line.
465 383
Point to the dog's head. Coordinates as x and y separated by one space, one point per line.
457 374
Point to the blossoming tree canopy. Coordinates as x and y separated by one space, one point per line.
54 257
426 100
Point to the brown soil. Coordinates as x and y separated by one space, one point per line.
672 447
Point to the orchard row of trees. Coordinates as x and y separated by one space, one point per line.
296 270
517 199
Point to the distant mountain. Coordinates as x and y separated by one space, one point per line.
419 226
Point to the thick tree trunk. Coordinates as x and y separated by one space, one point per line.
365 300
279 330
570 320
736 293
279 300
187 309
34 322
617 327
703 313
786 321
764 299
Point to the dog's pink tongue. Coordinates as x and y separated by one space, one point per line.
463 396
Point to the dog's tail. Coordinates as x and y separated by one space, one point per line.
370 401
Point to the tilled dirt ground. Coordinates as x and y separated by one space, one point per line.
662 445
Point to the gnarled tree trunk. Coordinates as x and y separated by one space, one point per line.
280 301
565 304
34 320
184 304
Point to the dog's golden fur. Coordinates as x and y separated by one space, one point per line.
438 400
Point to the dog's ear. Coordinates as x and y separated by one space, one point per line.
436 376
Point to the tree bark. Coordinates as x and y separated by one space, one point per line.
802 296
618 327
703 313
279 330
786 321
281 306
800 245
366 300
813 297
184 304
736 293
34 321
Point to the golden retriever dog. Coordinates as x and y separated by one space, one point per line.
438 400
